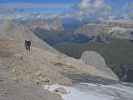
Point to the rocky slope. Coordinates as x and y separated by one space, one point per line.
44 67
14 31
116 53
14 90
41 65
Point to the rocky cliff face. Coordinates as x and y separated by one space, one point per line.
54 24
118 29
40 24
92 29
57 24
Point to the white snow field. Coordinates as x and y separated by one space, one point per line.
89 91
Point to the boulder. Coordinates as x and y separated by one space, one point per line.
96 60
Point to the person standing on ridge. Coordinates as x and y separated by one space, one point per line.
28 45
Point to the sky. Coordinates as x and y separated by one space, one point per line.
114 3
61 5
40 1
59 1
47 6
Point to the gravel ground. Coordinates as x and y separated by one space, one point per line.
15 90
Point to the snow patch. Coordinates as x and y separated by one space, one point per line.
75 94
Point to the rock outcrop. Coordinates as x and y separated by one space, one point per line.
95 59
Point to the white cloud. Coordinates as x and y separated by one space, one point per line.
98 7
85 3
92 3
99 3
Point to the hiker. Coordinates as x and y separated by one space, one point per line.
28 45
